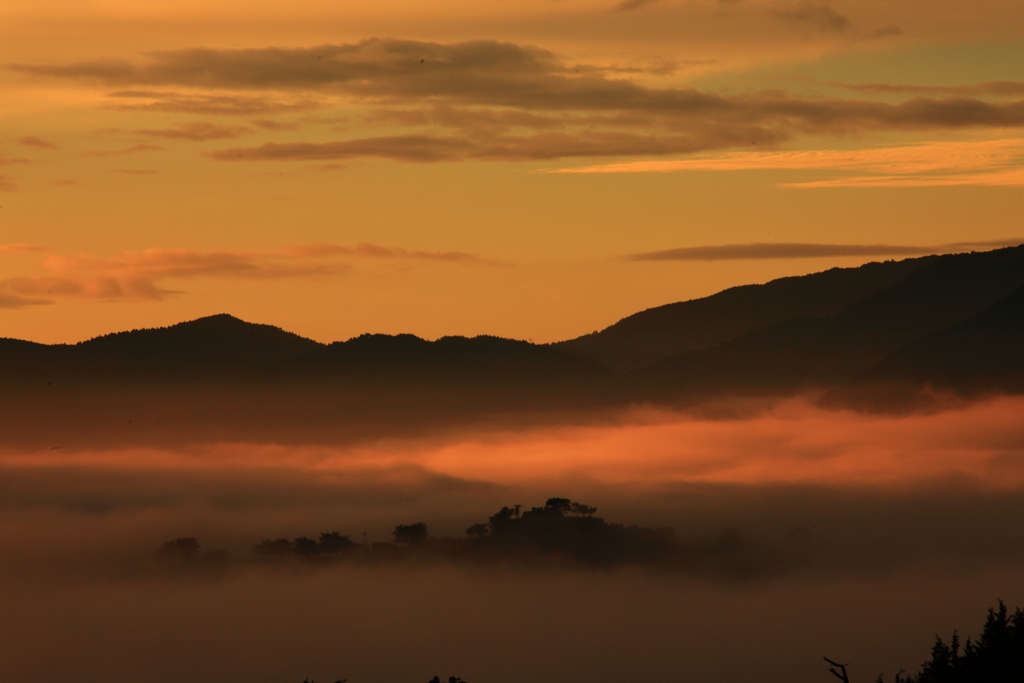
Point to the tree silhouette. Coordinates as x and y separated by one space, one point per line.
841 673
409 534
477 531
333 542
583 510
558 505
279 548
180 548
503 515
305 547
997 656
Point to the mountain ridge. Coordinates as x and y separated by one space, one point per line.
954 321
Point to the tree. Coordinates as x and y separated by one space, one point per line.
583 510
305 547
279 548
558 505
997 656
333 542
477 531
503 515
409 534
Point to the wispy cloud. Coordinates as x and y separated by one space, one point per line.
140 274
7 184
984 162
780 250
198 131
506 101
15 301
365 250
120 152
38 143
989 88
22 247
12 161
217 104
628 5
818 15
402 147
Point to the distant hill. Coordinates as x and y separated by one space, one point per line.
940 292
983 353
859 334
644 338
215 347
220 378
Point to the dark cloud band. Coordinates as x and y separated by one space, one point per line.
762 250
504 101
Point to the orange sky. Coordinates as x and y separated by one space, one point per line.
483 167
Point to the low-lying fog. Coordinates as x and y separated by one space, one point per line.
858 537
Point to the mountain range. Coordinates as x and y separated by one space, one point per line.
950 322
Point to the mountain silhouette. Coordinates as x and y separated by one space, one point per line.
819 351
215 347
983 353
642 339
951 321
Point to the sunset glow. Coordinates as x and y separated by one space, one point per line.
508 341
211 134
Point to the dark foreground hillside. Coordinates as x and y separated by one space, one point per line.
995 656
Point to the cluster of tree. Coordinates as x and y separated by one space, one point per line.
561 527
996 657
330 543
560 531
184 553
568 529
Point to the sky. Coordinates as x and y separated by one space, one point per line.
535 169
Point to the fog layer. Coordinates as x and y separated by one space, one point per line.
840 534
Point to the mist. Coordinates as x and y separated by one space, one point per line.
850 535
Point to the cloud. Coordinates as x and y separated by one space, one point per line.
1005 178
403 148
628 5
501 98
12 161
816 14
21 247
777 250
992 88
269 124
886 32
138 275
977 162
542 146
198 131
215 104
15 301
39 143
374 251
120 152
7 184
